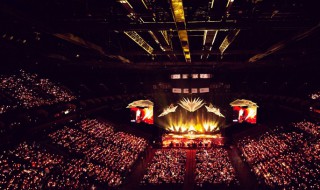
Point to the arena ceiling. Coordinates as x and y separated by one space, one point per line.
156 33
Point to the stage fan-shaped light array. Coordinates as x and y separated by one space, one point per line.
168 110
140 103
214 110
191 105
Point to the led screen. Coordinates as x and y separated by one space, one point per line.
175 76
142 115
245 114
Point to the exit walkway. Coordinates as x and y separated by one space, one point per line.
189 181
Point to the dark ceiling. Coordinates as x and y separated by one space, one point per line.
258 32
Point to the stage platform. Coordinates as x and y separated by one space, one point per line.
192 140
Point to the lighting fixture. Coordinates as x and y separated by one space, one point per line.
168 110
179 18
214 110
139 40
228 40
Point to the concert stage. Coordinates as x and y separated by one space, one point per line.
192 140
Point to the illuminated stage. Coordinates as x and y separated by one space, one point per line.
191 115
191 122
192 140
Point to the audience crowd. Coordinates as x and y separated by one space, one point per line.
213 166
167 167
99 130
32 166
308 127
28 90
95 153
283 159
17 175
269 145
312 151
74 140
289 171
37 156
118 151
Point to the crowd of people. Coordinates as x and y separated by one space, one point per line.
106 134
30 166
312 151
308 127
289 171
17 175
27 90
283 159
73 140
117 151
167 167
99 130
213 166
72 174
37 156
269 145
92 162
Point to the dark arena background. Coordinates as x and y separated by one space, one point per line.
159 95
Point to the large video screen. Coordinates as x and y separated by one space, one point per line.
142 115
245 114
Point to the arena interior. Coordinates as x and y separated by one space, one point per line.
159 95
